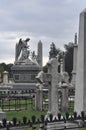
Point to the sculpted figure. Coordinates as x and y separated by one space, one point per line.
22 51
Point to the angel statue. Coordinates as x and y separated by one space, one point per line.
22 51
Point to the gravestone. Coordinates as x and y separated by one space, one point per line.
39 97
5 77
2 115
53 86
80 93
64 103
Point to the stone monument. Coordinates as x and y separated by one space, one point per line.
24 69
5 77
64 90
53 86
39 97
80 90
2 115
75 51
39 57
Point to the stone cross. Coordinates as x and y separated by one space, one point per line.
52 79
53 86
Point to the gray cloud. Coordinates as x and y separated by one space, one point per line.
50 21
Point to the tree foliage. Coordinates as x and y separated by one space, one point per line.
53 51
69 57
5 67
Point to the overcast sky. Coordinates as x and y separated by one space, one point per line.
46 20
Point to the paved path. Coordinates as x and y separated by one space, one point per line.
12 128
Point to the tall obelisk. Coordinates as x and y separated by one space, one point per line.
40 55
80 89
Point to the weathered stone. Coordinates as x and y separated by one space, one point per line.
75 51
64 103
39 98
80 93
40 57
5 77
61 126
53 86
2 115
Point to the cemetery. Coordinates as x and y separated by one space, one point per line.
36 99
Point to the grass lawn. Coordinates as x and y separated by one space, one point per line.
79 129
20 114
28 113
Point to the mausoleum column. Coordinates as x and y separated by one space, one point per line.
75 51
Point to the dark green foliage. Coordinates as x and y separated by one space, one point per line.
6 67
45 69
69 57
53 51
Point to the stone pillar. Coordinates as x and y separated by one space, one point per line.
5 77
40 57
61 67
75 50
53 86
2 115
80 93
39 99
64 105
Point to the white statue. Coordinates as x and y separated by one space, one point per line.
22 51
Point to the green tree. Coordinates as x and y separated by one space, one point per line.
45 69
69 57
6 67
53 51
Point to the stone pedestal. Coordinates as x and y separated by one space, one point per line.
5 77
61 126
39 99
80 91
2 115
64 105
